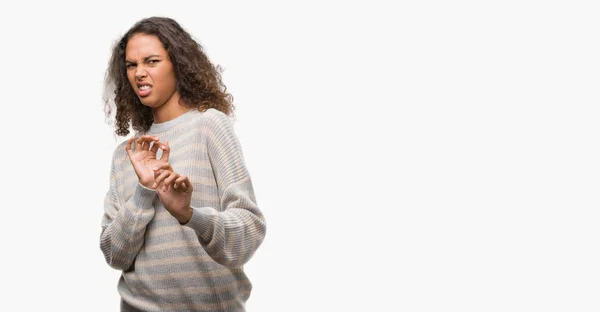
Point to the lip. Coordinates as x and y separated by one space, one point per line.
143 93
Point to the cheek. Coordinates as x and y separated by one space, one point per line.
168 80
173 80
131 78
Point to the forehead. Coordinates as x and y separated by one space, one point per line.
141 45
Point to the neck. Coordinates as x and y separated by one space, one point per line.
170 110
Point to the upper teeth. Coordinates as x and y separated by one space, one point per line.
144 87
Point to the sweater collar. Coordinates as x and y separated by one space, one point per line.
164 126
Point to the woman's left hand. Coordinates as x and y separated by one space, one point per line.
175 192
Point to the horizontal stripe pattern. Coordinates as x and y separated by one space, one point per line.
195 267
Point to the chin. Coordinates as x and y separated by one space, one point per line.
149 103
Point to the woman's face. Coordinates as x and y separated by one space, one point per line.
150 71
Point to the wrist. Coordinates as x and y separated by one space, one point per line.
148 184
146 187
185 218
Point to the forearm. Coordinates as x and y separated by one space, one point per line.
122 238
233 232
231 236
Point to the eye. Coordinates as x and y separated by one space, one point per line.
130 65
153 61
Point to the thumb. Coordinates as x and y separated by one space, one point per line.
166 152
130 153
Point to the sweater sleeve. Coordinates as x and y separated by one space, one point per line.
124 224
233 233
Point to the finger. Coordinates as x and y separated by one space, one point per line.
169 180
154 148
163 166
180 183
128 147
158 180
147 140
163 147
138 145
187 184
157 173
143 144
166 151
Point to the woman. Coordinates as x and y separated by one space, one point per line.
180 217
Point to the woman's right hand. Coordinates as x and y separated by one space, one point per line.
144 158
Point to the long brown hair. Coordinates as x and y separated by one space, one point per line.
199 82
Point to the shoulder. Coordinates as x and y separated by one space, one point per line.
119 153
217 117
212 120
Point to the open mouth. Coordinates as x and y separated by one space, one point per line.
144 90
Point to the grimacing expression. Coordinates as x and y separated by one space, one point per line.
150 70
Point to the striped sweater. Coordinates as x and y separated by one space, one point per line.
197 266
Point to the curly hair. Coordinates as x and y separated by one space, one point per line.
199 82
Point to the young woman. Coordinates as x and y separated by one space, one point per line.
180 217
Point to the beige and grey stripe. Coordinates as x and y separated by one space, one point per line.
197 266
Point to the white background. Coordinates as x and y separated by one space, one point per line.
421 156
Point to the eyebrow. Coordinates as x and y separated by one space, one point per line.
145 59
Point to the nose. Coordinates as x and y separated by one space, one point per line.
140 72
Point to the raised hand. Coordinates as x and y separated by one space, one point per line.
144 158
174 191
